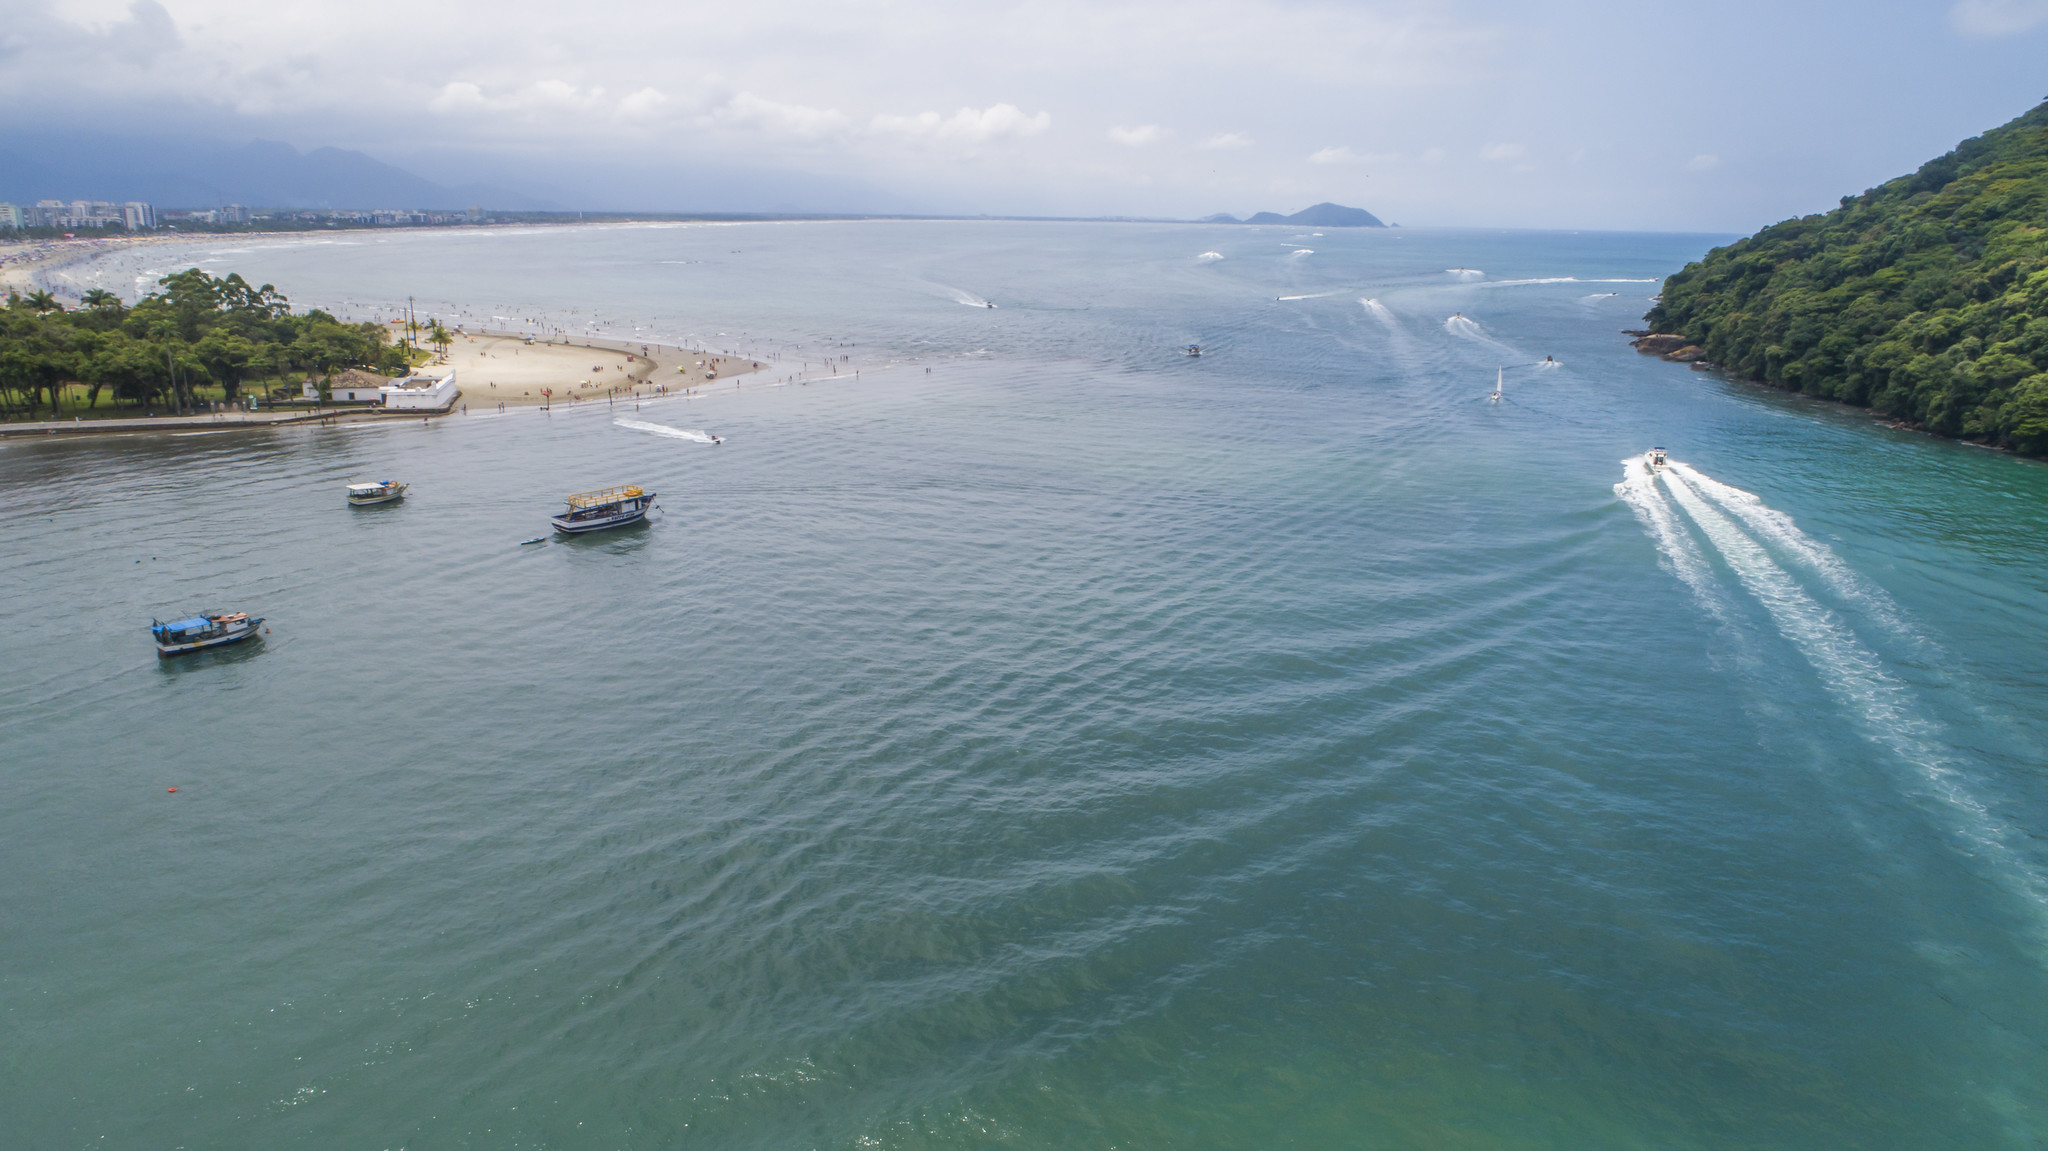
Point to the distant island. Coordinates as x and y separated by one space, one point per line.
1325 215
1925 299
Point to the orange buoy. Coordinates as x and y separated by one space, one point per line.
174 789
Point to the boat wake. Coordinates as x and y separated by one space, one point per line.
1466 328
1309 296
1559 280
695 437
966 299
1210 256
1380 312
1787 572
1464 273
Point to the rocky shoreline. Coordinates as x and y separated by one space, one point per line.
1680 350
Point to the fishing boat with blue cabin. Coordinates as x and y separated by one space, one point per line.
200 632
613 507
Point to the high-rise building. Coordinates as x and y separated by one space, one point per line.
10 216
138 216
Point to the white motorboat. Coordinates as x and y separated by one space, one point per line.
613 507
378 493
1655 460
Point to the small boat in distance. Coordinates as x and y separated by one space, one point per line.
1499 375
612 507
360 495
204 631
1194 349
1655 459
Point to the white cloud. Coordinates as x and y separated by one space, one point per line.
1704 162
645 102
1500 153
792 121
1990 18
1342 154
1139 136
1227 140
968 125
464 96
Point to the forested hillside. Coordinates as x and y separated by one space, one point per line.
1926 298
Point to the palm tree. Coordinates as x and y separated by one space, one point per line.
42 301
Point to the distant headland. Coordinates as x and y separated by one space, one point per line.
1324 215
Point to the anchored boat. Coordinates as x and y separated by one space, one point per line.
378 493
204 631
613 507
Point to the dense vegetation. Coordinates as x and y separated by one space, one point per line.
196 340
1925 299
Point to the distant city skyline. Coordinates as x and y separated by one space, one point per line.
1484 113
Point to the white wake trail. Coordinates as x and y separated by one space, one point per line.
695 437
1777 528
1466 328
1855 676
1638 489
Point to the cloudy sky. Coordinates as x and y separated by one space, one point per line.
1525 113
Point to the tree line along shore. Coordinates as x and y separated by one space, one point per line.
196 343
1924 299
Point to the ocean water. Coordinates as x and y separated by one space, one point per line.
1043 738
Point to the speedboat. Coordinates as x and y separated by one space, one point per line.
378 493
612 507
204 631
1655 459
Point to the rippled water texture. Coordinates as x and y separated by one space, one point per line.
1075 744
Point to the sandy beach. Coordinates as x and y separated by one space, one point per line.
495 368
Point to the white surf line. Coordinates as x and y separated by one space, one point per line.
1310 296
693 436
1854 675
1775 527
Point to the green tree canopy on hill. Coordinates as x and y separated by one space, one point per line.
195 330
1925 298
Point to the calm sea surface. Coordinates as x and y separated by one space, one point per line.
1075 744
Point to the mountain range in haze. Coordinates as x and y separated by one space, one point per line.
204 174
1324 215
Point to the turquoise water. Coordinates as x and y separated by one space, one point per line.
1075 744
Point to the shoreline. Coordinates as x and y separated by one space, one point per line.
1677 349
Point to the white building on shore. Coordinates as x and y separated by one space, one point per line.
423 393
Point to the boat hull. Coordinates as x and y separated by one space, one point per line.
598 523
254 630
396 492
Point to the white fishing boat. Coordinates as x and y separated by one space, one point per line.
1655 460
377 493
613 507
203 631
